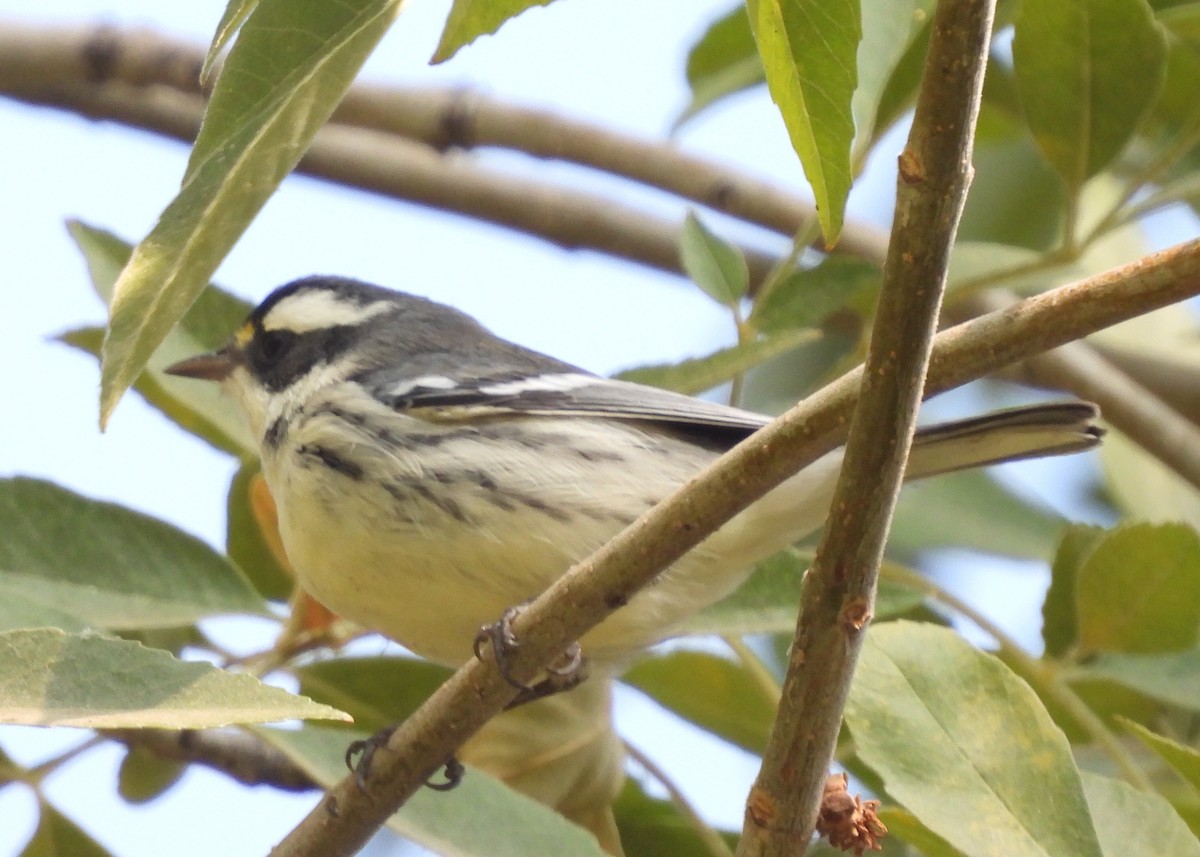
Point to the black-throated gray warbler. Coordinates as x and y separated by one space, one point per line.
429 475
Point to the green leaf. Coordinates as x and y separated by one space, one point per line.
806 297
106 565
57 835
717 694
144 776
972 510
1088 70
246 543
49 678
889 27
503 823
1184 760
808 49
235 14
470 19
966 746
1060 619
652 826
723 62
1173 678
1015 198
769 601
200 408
714 265
703 373
376 692
285 74
1134 823
1139 590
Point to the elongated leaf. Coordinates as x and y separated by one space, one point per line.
703 373
807 297
1134 823
1138 590
966 746
716 266
888 28
235 14
1060 613
49 678
808 50
470 19
1183 759
376 692
106 565
724 61
57 836
1087 71
715 693
503 823
199 408
285 74
1172 677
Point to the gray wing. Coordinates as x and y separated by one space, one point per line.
564 394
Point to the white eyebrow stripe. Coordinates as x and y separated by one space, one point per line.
557 383
311 310
425 382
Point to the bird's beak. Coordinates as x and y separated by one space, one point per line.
215 366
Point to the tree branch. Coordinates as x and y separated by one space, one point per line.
839 590
240 755
597 586
1126 404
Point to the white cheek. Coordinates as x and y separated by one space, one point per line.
253 400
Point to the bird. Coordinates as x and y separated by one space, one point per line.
430 475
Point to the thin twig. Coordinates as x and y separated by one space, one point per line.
713 843
838 597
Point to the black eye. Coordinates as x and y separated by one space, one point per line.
274 344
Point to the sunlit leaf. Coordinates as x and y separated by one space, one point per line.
106 565
1171 677
809 51
256 551
966 746
199 408
1184 760
49 678
1138 590
470 19
1135 823
724 61
503 823
284 75
235 14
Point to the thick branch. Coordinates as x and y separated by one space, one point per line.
591 590
839 590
